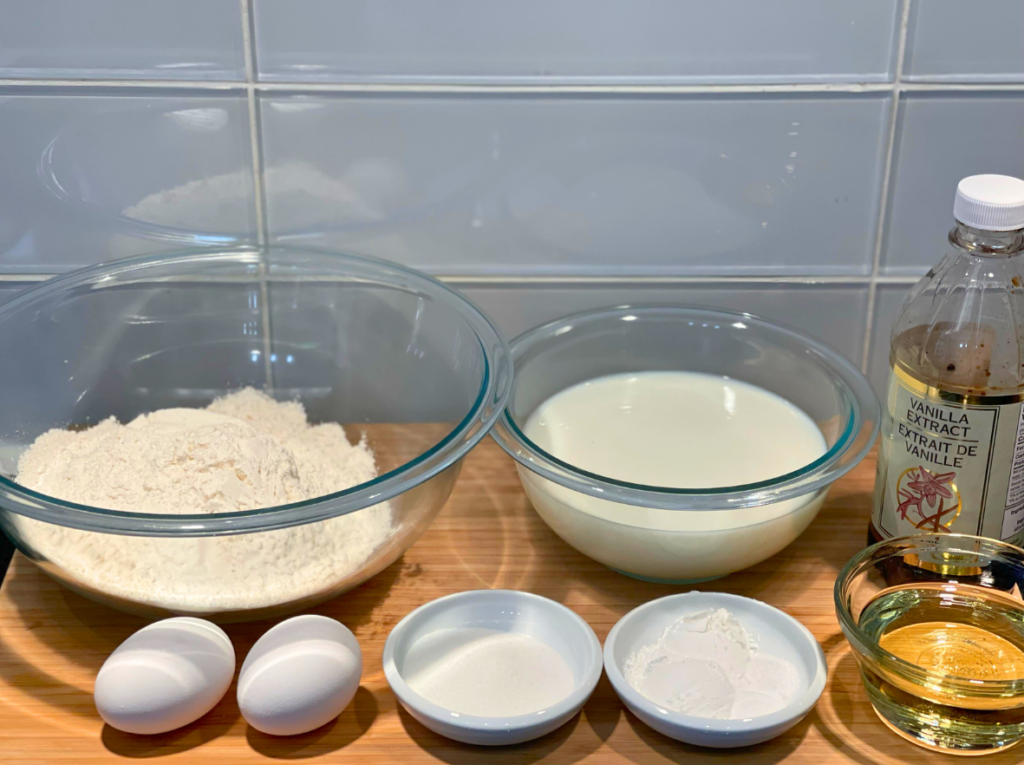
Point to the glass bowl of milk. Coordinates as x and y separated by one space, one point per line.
681 444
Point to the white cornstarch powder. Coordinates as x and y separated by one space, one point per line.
707 665
244 452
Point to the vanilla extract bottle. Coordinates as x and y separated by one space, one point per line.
951 457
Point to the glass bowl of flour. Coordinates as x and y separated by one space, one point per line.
679 444
236 434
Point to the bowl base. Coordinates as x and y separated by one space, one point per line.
655 580
926 740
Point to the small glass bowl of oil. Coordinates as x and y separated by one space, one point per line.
936 623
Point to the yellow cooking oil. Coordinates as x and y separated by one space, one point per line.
965 690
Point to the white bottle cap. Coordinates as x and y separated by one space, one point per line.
990 202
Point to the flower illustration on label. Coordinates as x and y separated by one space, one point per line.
928 500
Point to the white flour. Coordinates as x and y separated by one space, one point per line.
244 452
707 665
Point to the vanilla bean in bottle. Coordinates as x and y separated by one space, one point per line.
951 457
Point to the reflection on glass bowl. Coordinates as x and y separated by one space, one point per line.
604 199
175 175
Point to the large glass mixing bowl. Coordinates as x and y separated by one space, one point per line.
668 534
392 355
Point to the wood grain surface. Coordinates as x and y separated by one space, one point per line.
52 643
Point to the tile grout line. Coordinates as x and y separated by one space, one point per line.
610 89
258 186
254 132
605 88
883 201
610 280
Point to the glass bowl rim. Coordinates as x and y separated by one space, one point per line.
862 424
864 646
495 385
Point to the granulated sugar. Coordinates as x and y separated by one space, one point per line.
244 452
481 671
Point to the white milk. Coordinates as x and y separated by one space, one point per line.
678 430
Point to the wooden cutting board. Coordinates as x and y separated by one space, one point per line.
52 643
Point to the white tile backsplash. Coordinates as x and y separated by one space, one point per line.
958 41
827 312
580 185
93 177
122 39
888 301
575 40
665 139
941 139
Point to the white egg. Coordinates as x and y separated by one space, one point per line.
165 676
300 675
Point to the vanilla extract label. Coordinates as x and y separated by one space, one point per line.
937 434
949 466
938 419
